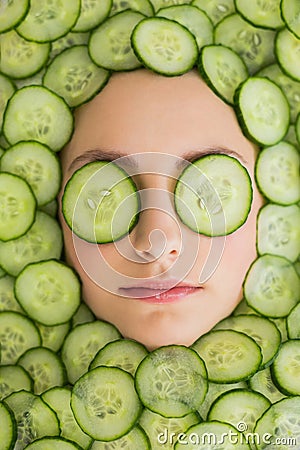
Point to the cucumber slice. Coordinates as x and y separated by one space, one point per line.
136 439
82 344
195 20
105 403
17 334
158 427
213 195
12 13
287 47
100 202
143 6
42 242
73 75
223 70
293 323
92 13
54 293
212 435
38 165
109 45
262 110
53 337
8 428
214 391
34 418
290 11
278 231
8 301
290 87
164 46
272 286
229 356
263 331
286 367
262 382
45 368
123 353
18 206
277 173
53 443
264 14
171 381
21 58
48 20
7 89
158 4
14 379
215 9
239 405
254 45
280 422
35 113
59 399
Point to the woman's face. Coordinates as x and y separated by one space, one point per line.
163 283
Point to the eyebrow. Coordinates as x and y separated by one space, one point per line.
99 154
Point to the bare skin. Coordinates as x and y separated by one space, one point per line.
138 113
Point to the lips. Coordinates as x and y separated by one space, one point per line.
158 293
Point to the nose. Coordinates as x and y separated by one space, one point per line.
157 235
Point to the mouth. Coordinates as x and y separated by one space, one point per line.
159 293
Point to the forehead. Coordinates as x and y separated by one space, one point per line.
143 112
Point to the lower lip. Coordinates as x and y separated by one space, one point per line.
149 295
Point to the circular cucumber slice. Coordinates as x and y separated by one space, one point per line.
171 381
272 286
12 13
229 355
8 428
74 76
35 113
281 422
164 46
17 206
48 20
286 368
54 293
136 439
263 110
213 195
100 202
38 165
290 11
261 14
277 173
110 46
287 47
105 403
13 378
92 13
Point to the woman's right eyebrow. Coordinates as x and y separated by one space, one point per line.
97 154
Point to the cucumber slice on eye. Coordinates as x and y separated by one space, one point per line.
109 44
17 206
105 403
54 293
263 110
171 381
278 231
272 286
277 173
164 46
229 355
35 113
223 70
100 202
48 20
74 76
213 195
21 58
38 165
12 13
